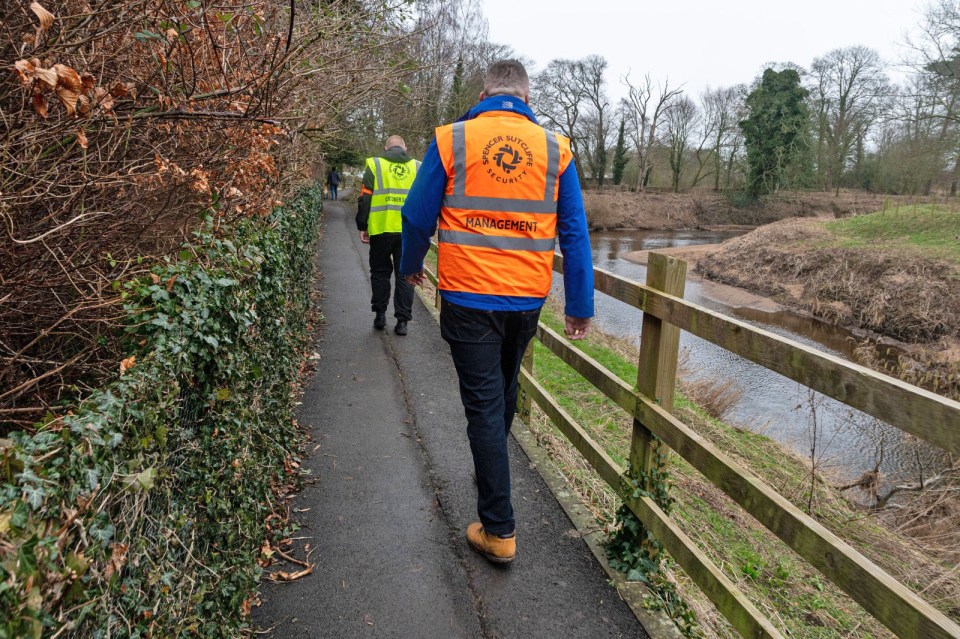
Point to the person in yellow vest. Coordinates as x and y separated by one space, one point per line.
504 192
386 182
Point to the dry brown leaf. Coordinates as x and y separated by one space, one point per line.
68 86
45 17
87 81
172 34
24 70
40 105
170 282
127 364
103 99
117 560
83 105
46 76
68 77
120 89
82 141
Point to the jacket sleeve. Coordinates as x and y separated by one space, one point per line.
422 210
363 203
575 246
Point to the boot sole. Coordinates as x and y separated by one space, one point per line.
497 560
493 558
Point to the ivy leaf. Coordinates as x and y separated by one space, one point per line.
142 481
34 496
92 476
102 530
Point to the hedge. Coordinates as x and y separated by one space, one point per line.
141 512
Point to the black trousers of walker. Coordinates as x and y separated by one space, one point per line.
384 260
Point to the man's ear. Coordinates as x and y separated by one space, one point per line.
482 96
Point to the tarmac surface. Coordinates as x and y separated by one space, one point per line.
392 493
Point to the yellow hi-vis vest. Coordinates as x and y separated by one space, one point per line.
392 181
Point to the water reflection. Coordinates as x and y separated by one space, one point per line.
771 403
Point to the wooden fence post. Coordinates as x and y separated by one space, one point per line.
659 348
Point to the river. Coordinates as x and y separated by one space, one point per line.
771 404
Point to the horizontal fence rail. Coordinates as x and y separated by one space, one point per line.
926 415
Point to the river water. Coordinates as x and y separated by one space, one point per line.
771 404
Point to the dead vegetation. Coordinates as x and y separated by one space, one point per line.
896 295
124 125
621 209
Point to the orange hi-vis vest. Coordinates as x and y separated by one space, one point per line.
498 222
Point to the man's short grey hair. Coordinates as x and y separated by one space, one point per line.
395 140
507 77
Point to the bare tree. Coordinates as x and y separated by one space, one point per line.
849 89
597 131
559 99
935 61
722 111
681 120
643 109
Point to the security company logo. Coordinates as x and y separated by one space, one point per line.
507 158
400 171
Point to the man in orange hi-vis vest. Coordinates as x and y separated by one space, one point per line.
504 192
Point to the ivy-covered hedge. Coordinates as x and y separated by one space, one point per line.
141 513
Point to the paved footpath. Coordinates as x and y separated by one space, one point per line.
393 494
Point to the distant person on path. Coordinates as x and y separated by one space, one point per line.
386 182
333 181
504 190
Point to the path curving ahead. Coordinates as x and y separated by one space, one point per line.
392 493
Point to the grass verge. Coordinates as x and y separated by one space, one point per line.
795 596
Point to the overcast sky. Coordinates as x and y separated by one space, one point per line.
695 42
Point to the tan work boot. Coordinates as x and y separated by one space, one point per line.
496 549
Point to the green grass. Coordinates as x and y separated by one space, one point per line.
928 230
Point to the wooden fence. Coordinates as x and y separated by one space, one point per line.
911 409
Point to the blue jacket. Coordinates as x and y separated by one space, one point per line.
421 212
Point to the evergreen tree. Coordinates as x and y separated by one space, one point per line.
457 99
775 131
619 157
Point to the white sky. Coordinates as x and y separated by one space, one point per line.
695 42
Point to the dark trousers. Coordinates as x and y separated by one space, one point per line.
333 191
487 349
384 261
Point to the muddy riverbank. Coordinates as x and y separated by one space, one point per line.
611 209
897 297
723 293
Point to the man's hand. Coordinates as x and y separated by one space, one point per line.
416 279
576 327
364 237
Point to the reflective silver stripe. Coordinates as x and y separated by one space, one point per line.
459 159
499 204
392 191
553 166
496 241
385 207
376 163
